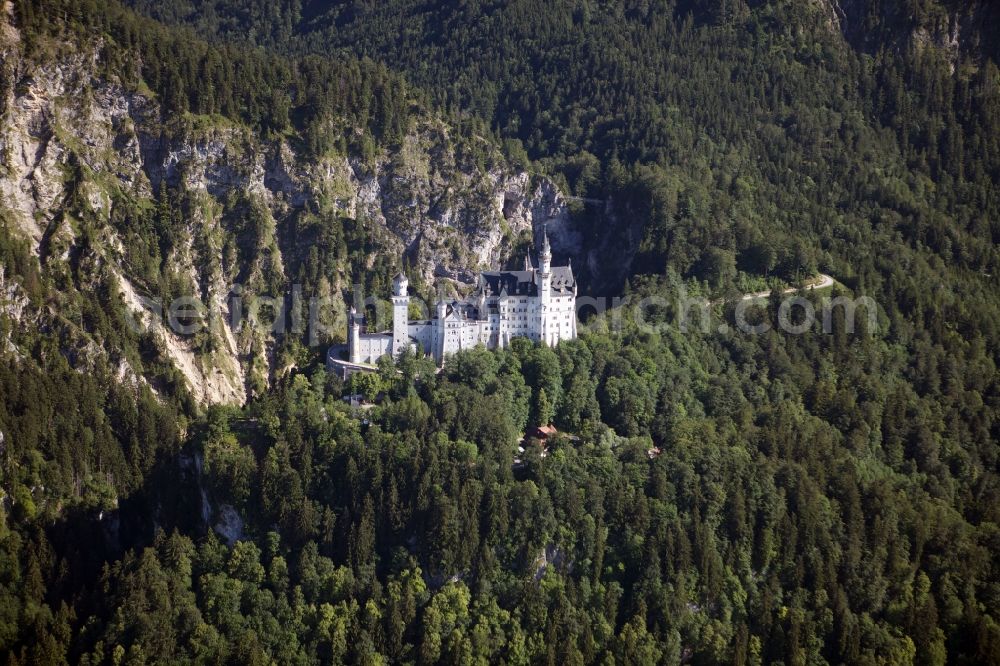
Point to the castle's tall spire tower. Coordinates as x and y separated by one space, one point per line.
545 258
400 314
544 281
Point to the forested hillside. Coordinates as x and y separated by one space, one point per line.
712 497
814 500
144 161
758 133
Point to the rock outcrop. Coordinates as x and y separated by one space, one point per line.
956 29
74 143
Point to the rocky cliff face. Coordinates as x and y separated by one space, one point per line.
75 144
957 28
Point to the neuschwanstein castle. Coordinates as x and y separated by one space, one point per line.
538 303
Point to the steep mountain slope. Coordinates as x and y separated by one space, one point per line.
779 136
829 497
98 173
962 29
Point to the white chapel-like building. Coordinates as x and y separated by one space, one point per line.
538 303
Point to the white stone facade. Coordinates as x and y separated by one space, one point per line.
538 303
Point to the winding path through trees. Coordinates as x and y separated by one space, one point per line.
821 282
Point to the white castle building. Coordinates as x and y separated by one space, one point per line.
538 303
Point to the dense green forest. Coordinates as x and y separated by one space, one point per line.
713 127
820 498
816 499
266 92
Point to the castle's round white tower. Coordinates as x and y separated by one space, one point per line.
400 314
354 337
